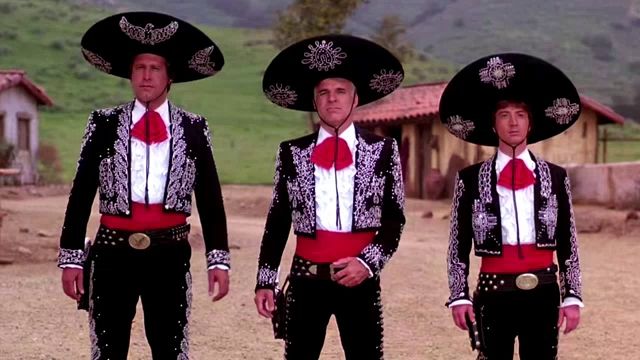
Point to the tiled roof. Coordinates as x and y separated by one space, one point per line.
412 103
11 78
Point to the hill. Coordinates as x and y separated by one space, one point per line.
597 43
42 37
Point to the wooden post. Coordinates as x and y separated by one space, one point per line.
604 146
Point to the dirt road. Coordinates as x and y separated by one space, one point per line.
38 322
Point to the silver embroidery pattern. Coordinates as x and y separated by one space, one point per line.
378 311
207 135
281 95
484 181
386 81
107 183
91 127
572 277
301 191
184 344
179 179
375 256
97 61
323 56
93 336
117 182
148 34
276 180
482 222
71 256
218 257
267 276
368 185
548 215
201 62
86 138
456 268
459 126
562 111
545 178
396 174
497 73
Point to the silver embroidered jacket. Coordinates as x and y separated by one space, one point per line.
378 201
104 166
475 220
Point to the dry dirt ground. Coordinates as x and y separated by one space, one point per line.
38 322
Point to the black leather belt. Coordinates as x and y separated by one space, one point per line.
304 268
488 282
142 239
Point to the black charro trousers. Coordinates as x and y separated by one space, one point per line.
529 315
358 311
159 276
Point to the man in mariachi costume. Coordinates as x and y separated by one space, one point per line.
146 158
514 209
342 189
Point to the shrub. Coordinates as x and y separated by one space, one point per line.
49 165
7 154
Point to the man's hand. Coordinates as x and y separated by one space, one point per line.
221 277
264 302
572 316
72 282
353 273
459 314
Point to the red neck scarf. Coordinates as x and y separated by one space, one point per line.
157 128
523 176
324 154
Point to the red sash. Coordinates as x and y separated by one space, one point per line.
511 263
329 246
144 218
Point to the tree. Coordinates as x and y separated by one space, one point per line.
390 34
307 18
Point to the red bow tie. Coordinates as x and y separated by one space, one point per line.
524 177
157 128
324 154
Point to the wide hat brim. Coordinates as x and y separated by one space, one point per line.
112 43
291 76
469 101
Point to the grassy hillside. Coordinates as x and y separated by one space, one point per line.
42 37
597 43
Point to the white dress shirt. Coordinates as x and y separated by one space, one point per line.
159 154
326 188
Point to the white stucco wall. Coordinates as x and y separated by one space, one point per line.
13 101
614 184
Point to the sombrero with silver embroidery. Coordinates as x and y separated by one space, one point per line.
111 44
291 76
468 102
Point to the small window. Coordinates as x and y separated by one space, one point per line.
24 133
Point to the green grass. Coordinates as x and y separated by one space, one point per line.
623 150
42 37
246 127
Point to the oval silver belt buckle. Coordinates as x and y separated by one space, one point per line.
526 281
139 241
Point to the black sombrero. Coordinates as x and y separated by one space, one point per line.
291 76
111 44
469 100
